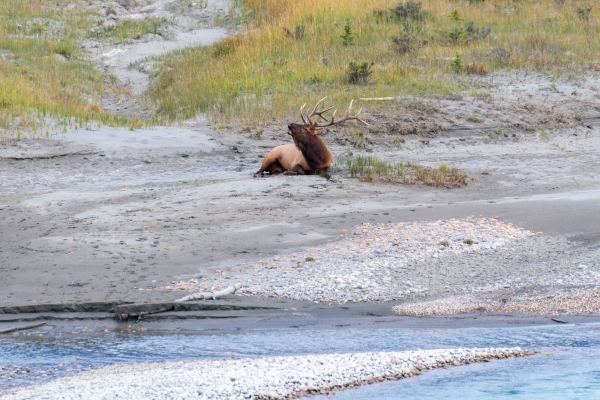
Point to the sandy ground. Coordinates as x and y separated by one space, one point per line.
117 215
110 215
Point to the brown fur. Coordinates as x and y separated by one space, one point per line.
307 155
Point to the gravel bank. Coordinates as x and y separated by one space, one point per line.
261 378
370 263
573 301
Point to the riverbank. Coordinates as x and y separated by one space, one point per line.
266 378
62 352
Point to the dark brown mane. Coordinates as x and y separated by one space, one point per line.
313 148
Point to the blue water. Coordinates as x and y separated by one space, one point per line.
571 370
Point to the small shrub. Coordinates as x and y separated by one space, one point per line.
410 10
456 34
403 12
298 33
405 43
258 134
468 241
543 135
360 140
476 69
474 33
359 72
348 36
409 41
584 13
499 56
454 16
456 65
314 79
467 34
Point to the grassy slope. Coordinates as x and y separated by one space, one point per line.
42 70
264 74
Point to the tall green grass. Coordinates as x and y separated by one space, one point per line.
268 70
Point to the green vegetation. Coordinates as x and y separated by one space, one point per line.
43 72
125 31
272 68
291 52
369 169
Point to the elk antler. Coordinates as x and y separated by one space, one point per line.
316 125
306 117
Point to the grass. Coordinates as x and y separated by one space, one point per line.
266 72
44 75
369 169
128 30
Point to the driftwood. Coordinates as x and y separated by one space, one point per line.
211 295
559 321
20 328
160 310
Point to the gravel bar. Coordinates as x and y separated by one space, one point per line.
369 263
564 302
256 378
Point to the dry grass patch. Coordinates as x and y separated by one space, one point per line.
308 48
43 73
369 169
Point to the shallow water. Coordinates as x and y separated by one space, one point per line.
570 370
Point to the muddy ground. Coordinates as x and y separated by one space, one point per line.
109 215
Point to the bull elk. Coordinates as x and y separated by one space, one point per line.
308 155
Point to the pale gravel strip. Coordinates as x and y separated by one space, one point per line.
361 266
565 302
258 378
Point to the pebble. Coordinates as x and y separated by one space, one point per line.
559 302
255 378
361 267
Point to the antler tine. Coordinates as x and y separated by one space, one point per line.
302 114
346 117
315 112
317 105
320 113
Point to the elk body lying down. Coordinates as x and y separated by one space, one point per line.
308 154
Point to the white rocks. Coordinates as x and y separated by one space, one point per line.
366 265
260 378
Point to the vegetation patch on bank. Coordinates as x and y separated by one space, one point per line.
43 71
369 169
303 49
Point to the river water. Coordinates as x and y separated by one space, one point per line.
567 368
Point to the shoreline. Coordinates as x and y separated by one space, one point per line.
285 377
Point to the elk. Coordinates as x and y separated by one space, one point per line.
308 155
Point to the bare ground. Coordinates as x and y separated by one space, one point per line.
111 215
